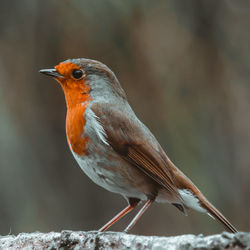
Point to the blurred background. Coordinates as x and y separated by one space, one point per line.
185 68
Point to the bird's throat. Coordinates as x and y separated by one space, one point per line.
75 96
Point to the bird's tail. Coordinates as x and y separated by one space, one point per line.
215 213
193 198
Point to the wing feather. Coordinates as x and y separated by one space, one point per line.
161 175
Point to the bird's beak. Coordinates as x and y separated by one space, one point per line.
51 72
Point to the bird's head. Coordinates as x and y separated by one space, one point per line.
84 80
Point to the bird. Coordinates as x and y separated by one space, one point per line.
116 150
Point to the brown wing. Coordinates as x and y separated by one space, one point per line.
136 144
141 157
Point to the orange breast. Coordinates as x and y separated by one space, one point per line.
77 98
75 123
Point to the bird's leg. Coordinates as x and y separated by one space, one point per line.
133 202
138 215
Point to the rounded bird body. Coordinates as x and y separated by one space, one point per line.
115 149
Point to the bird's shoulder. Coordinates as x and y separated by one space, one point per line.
122 125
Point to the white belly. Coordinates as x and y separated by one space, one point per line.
93 166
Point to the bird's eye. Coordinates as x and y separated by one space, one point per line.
77 73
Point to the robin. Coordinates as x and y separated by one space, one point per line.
115 149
